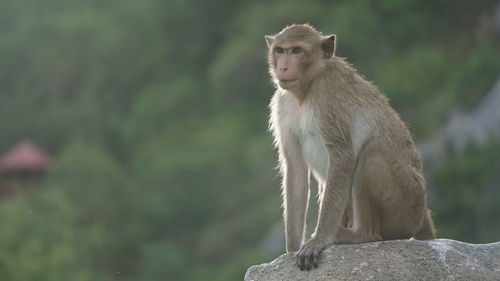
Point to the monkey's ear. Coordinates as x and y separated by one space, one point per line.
269 40
328 46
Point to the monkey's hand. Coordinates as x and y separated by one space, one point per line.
308 255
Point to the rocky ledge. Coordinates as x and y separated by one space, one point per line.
439 259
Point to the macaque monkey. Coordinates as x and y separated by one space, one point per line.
328 121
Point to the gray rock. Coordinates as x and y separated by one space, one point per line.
439 259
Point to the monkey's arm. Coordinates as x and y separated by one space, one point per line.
332 206
295 193
336 193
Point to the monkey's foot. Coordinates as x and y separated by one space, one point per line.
308 255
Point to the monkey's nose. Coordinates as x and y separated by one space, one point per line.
283 69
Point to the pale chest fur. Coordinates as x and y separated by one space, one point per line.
288 119
300 123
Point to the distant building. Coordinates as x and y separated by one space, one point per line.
22 167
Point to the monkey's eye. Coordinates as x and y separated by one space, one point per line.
296 50
279 50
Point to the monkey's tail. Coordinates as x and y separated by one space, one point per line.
427 230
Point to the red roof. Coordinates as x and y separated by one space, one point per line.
25 156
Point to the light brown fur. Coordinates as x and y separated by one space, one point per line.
333 123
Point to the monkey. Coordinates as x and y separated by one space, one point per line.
331 123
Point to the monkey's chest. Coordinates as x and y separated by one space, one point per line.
313 146
301 123
314 152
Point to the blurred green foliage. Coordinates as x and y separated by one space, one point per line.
156 115
471 180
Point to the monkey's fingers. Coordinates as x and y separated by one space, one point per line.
315 260
309 261
301 259
305 258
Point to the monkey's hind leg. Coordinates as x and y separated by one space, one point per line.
403 203
427 230
365 225
347 217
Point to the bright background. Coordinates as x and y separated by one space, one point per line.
155 115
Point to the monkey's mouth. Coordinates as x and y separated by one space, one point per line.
287 80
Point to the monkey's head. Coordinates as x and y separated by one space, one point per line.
296 53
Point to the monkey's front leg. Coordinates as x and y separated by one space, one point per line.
295 191
332 207
296 198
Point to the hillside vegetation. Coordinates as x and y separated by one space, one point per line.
156 115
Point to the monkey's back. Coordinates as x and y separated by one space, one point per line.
355 111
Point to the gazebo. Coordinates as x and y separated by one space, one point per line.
23 166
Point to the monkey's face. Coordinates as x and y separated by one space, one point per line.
290 64
295 55
288 68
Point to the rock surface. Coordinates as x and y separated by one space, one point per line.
439 259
